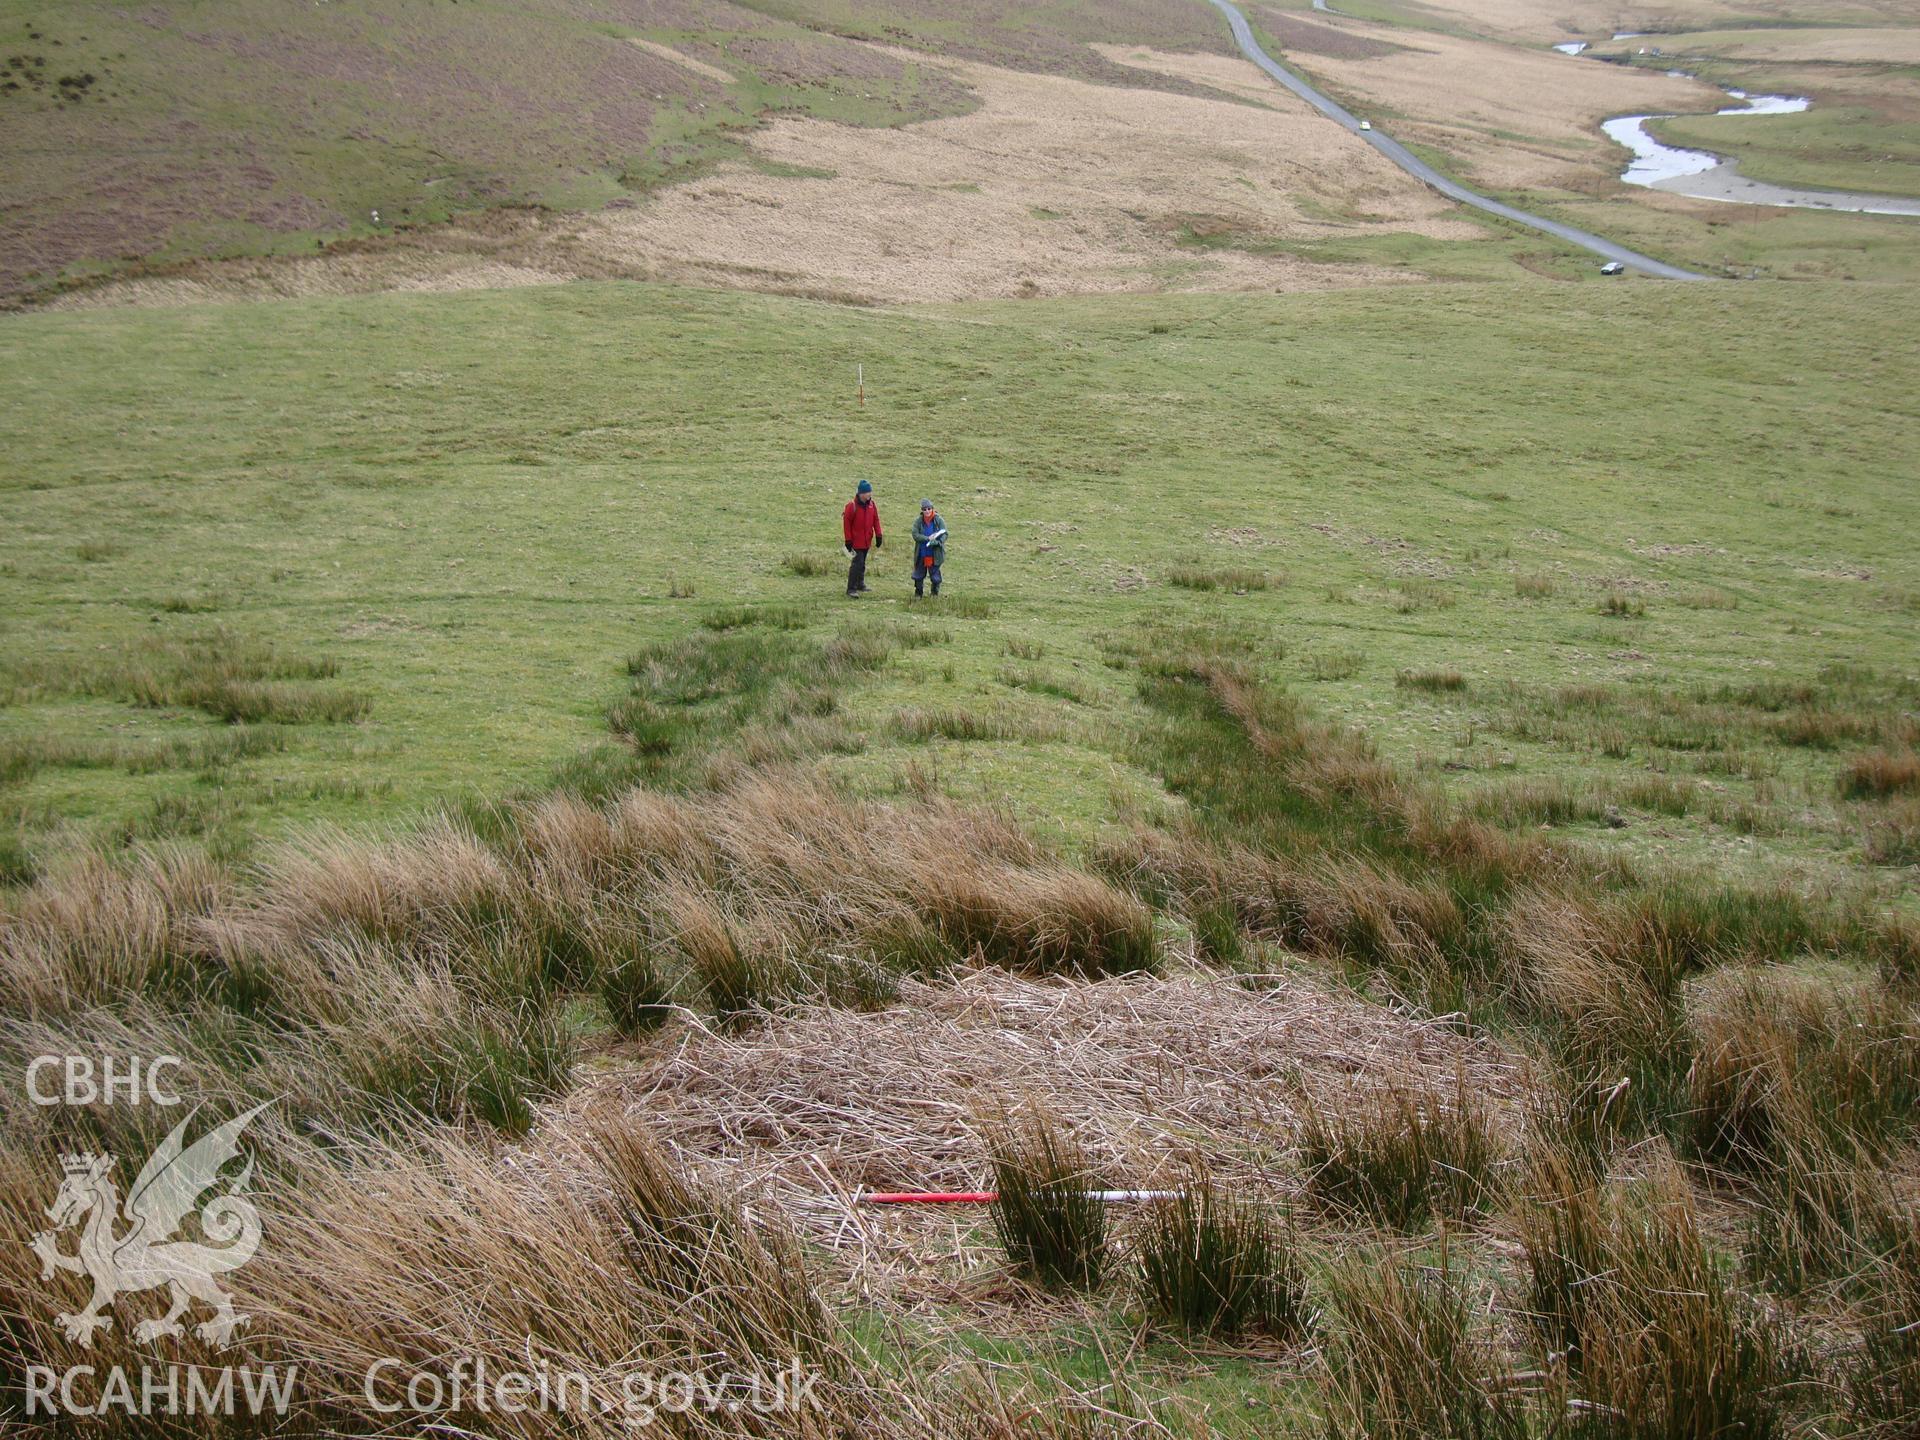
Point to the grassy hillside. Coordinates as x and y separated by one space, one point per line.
423 535
1428 773
239 127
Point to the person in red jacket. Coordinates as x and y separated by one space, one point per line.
860 526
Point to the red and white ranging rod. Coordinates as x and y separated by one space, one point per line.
987 1197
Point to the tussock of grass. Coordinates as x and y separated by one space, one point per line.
1052 1227
802 564
1315 845
1233 580
1880 773
1335 664
1622 605
1657 794
1406 1360
1402 1160
411 1256
742 886
961 607
23 756
218 672
1444 680
775 617
1039 682
1825 1218
1216 932
1706 600
859 648
1893 833
635 988
1533 801
1410 596
956 723
1883 1385
1533 587
1780 1056
1212 1263
740 977
749 689
1575 1120
17 864
1655 1340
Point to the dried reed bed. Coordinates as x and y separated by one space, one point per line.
1146 1074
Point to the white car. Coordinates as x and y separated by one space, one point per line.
1366 124
1612 267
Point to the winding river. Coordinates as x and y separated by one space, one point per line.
1705 176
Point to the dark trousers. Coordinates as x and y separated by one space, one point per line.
923 573
857 573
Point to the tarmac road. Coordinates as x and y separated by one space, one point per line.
1420 170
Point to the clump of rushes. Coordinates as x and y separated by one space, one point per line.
1579 1117
1435 680
1824 1212
1057 922
778 617
1193 577
1405 1360
1052 1225
1893 834
1216 932
1213 1263
1404 1161
1566 1228
633 984
1779 1051
1623 606
1877 774
1628 1296
1883 1397
738 981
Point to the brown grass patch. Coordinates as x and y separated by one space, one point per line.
947 209
1880 773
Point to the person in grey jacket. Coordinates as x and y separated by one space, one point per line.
929 548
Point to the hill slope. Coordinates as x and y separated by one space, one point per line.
179 131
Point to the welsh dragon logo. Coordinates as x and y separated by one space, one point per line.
147 1255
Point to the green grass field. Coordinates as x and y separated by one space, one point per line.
422 535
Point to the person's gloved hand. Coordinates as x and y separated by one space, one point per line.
878 541
849 550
